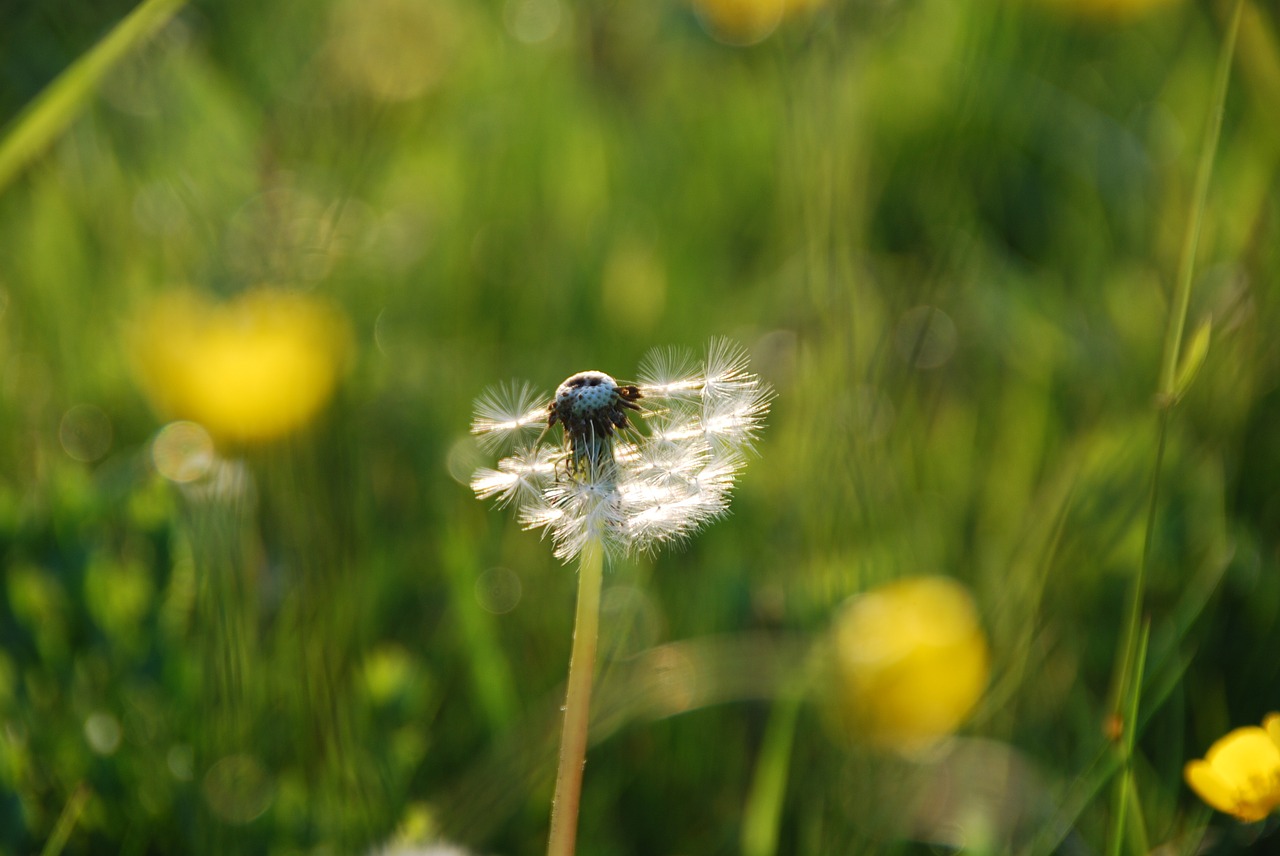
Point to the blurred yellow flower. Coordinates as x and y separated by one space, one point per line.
1113 10
745 22
910 662
1240 774
253 369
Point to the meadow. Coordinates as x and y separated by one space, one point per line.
1007 266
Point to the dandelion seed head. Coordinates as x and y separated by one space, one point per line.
632 486
585 394
520 475
591 406
507 413
670 372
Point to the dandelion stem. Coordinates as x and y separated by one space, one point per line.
573 739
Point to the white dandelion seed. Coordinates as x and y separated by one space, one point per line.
637 465
508 413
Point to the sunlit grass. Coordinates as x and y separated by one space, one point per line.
249 604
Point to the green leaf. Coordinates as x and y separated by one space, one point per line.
54 109
1192 359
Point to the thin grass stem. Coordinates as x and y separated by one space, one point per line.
1173 341
1126 789
577 707
61 101
66 821
1127 686
763 813
1191 239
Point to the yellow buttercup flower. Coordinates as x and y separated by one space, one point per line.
910 662
745 22
1240 774
253 369
1109 10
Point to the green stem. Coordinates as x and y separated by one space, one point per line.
1191 240
577 706
764 804
1173 341
61 101
66 821
1126 792
1127 686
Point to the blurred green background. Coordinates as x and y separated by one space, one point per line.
946 230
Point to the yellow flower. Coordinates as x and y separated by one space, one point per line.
745 22
910 662
1108 10
1240 774
253 369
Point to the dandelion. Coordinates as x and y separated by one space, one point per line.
640 464
1240 774
636 466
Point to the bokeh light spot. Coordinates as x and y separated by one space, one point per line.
183 452
498 590
238 789
387 673
181 760
389 49
85 433
103 733
532 21
464 458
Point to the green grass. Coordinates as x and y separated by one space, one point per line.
307 667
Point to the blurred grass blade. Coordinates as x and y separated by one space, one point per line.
1191 240
55 107
491 672
1126 794
763 813
66 821
1192 359
1127 682
1136 825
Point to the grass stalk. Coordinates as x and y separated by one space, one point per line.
763 814
1127 688
66 821
1191 238
1126 790
577 707
61 101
